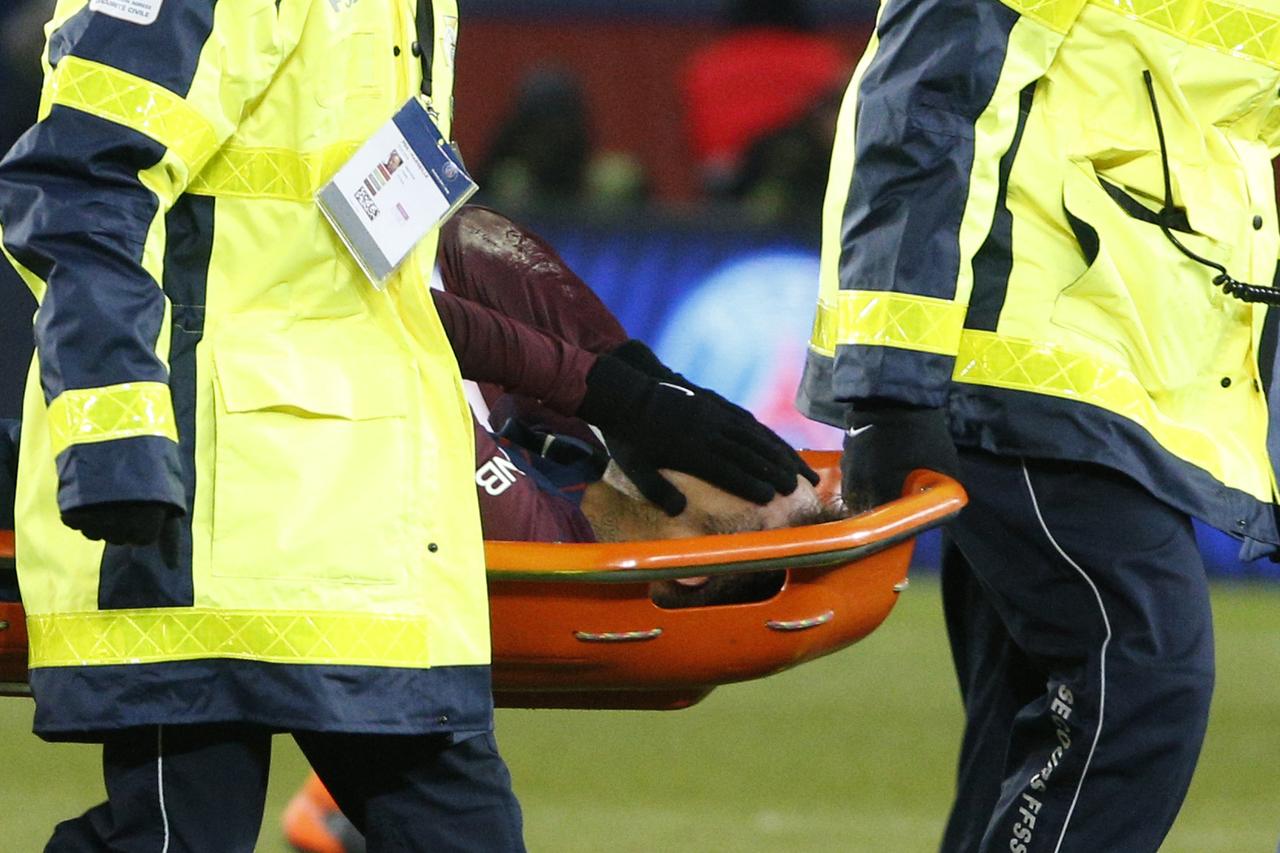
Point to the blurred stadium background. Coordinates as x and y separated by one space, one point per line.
682 179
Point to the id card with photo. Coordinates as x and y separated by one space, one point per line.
402 183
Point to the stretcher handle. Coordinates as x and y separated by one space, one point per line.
6 549
929 500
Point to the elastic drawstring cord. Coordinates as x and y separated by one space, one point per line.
1230 286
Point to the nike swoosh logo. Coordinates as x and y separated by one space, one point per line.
853 433
683 390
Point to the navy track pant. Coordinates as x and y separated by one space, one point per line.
1078 612
201 789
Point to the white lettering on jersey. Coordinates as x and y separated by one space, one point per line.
498 474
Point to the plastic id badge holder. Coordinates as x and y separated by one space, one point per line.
394 190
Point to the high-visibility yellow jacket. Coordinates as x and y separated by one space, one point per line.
991 241
205 341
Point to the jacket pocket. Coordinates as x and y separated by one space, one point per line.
1150 308
311 474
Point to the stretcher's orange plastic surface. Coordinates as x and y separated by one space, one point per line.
574 625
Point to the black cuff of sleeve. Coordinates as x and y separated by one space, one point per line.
615 393
637 354
143 468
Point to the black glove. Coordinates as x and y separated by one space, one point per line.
657 489
120 522
887 441
638 355
660 424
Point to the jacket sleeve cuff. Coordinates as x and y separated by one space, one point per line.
917 379
143 468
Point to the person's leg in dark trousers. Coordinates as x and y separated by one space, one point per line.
1101 587
420 793
996 681
176 789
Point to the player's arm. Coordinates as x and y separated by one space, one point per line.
494 348
665 421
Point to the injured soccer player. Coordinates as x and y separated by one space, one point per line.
536 337
548 357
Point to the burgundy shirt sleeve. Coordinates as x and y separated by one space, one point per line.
517 357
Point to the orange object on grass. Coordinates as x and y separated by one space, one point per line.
574 625
308 819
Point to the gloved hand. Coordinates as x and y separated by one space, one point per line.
637 354
884 443
119 522
639 470
651 424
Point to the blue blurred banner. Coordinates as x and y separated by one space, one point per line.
731 309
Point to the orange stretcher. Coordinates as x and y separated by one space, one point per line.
574 625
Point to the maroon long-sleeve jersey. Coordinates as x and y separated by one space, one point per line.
527 330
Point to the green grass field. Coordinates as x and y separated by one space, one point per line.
851 753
